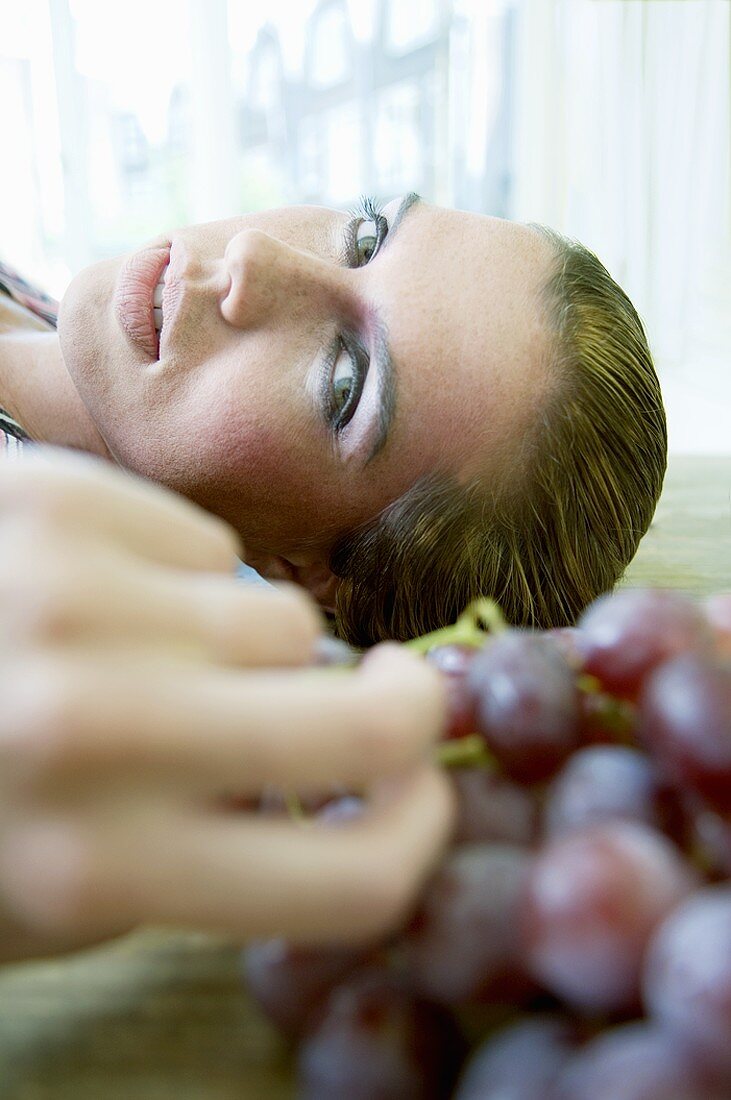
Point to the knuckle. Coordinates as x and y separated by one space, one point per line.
45 710
34 578
46 585
64 723
61 722
47 877
50 613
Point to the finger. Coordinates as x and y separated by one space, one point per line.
242 876
245 625
85 495
58 595
68 724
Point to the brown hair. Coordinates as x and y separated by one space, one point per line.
547 542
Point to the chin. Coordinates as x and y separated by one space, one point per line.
84 320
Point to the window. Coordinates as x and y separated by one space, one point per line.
410 23
330 60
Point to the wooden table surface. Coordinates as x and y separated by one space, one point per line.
161 1015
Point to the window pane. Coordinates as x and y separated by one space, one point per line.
137 117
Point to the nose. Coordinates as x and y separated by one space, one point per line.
269 277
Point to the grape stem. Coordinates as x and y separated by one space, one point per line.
465 752
294 806
482 616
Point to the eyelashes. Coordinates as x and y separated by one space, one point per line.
367 209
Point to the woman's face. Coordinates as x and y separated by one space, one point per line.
317 365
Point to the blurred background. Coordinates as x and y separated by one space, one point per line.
607 119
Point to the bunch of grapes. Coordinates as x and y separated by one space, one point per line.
575 944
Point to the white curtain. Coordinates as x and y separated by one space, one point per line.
621 138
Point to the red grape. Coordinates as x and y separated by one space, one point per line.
718 614
569 641
520 1062
638 1062
604 783
685 711
592 901
290 983
490 807
687 981
628 719
462 946
526 703
454 662
376 1041
628 633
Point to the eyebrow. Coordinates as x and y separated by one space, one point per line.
381 351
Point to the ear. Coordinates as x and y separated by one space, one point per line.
320 582
315 576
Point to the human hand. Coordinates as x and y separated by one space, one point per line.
140 682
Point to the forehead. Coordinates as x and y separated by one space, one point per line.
468 329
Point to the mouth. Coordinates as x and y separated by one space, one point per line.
158 300
138 299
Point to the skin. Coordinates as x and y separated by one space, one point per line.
111 628
143 687
227 416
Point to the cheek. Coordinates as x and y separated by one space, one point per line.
197 444
240 457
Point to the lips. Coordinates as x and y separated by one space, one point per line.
133 297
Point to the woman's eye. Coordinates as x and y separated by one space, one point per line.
345 388
343 384
368 238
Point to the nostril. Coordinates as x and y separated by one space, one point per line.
224 289
250 276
